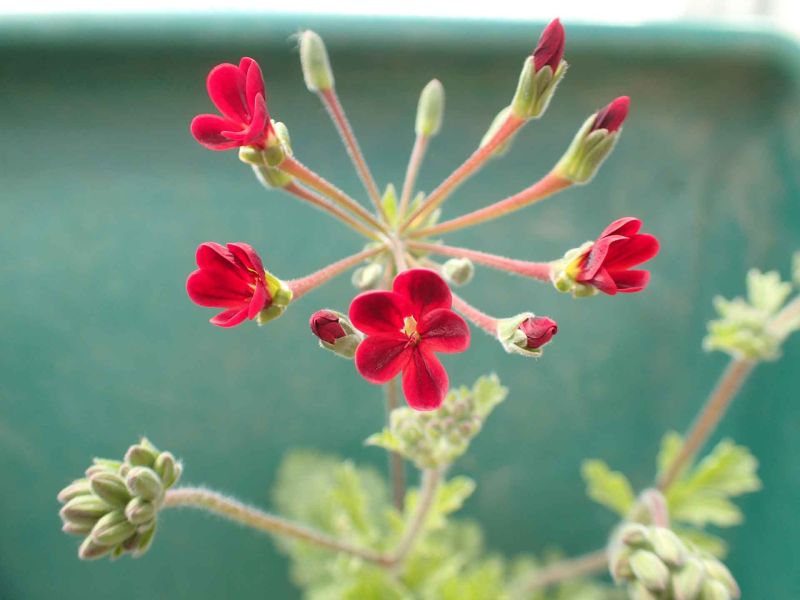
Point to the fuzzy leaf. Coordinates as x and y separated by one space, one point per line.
704 541
710 509
609 488
766 291
671 445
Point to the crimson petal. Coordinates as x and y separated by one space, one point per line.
604 282
209 130
425 381
631 281
625 226
206 289
226 88
638 249
424 289
597 256
442 330
379 312
245 254
229 318
380 357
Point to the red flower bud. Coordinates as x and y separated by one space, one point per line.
550 48
325 325
238 93
538 330
612 116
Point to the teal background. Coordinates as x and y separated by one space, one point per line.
105 196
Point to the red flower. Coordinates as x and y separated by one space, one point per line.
550 48
612 116
538 330
405 328
239 94
325 325
606 265
232 279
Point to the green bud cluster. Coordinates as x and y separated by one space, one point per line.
657 565
586 153
744 329
437 438
115 505
563 277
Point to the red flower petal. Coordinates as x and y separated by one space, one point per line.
425 381
625 226
248 257
631 281
550 48
229 318
226 88
636 250
261 298
254 81
442 330
597 255
208 131
612 116
424 289
604 282
213 290
379 312
380 357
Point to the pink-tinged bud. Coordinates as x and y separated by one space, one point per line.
550 49
538 330
613 115
325 325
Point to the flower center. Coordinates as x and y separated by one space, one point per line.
410 329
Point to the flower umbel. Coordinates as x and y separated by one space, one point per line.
238 93
605 264
405 328
234 278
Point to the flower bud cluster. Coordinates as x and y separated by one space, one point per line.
115 506
435 439
657 565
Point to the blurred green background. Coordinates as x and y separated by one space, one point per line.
105 196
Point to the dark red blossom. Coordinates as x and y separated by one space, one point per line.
232 278
325 325
239 94
550 49
607 264
612 116
405 328
538 330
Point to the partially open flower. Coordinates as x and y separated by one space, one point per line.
605 264
238 93
538 331
335 332
405 328
233 278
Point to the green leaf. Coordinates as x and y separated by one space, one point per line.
702 510
704 541
385 439
487 393
450 497
389 202
609 488
766 291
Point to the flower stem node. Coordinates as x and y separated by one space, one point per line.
526 333
458 271
430 109
116 507
314 61
593 143
335 333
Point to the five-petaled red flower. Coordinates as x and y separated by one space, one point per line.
405 328
613 115
232 278
550 49
606 265
239 94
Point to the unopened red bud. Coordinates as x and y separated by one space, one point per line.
550 48
613 115
326 326
538 330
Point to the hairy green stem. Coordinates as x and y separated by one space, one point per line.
414 163
255 518
586 564
534 270
396 467
303 193
431 478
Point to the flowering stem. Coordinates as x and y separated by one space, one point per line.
711 414
467 168
535 270
305 284
257 519
294 167
396 467
331 101
311 197
431 478
414 162
547 186
481 319
586 564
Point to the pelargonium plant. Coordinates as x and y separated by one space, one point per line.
349 536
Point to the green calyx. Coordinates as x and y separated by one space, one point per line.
564 272
116 505
265 161
535 89
435 439
586 152
513 340
281 296
344 346
430 109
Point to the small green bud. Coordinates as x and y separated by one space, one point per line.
144 540
78 528
389 203
494 127
91 550
140 456
716 570
317 71
687 582
79 487
715 590
139 511
668 546
430 109
110 487
619 563
637 591
634 534
112 529
144 482
458 271
649 570
368 276
168 469
84 509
